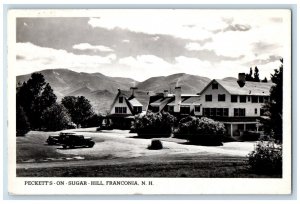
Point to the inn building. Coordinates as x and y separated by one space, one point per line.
123 109
238 104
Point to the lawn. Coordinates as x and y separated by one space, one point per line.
118 153
223 168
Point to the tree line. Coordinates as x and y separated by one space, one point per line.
255 76
37 108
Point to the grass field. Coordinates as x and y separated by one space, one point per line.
194 169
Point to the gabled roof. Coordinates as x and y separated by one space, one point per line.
162 100
250 87
130 100
188 100
134 102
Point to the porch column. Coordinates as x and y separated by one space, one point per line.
231 131
244 126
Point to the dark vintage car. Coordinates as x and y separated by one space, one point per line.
73 140
53 140
56 139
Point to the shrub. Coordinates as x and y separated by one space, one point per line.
154 125
155 145
93 121
266 158
202 131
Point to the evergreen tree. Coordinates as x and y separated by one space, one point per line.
273 124
35 96
249 76
265 80
256 75
22 122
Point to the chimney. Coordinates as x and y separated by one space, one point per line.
177 99
241 79
166 92
133 90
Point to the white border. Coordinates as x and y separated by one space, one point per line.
161 185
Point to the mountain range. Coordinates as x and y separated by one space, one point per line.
100 89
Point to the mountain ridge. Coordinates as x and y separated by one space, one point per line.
100 89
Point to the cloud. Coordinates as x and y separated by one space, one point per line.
160 22
237 27
35 57
276 19
264 46
87 46
263 61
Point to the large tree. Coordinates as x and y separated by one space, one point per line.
79 108
35 96
273 124
56 118
22 122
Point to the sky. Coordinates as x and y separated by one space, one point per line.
140 44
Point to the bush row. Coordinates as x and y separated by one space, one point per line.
203 130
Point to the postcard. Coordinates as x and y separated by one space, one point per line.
149 101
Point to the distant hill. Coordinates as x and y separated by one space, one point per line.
101 89
189 83
229 79
96 87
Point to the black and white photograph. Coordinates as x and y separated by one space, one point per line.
130 98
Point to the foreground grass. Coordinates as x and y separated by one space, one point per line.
192 169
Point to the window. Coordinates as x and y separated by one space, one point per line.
206 111
249 98
197 108
120 99
137 109
171 108
185 109
254 99
208 97
221 97
214 86
261 99
215 112
155 109
242 99
121 110
219 111
255 110
225 111
234 98
239 112
236 112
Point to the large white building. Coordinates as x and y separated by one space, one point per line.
238 104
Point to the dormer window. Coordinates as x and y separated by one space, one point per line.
215 86
120 99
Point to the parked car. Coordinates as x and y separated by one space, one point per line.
56 139
53 140
73 140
